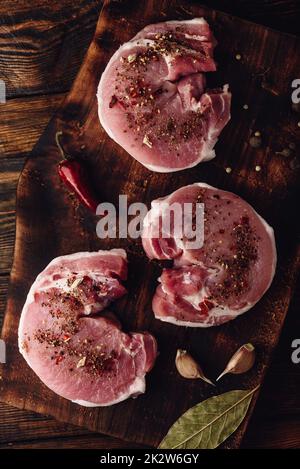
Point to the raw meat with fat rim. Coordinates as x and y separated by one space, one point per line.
227 275
77 353
152 96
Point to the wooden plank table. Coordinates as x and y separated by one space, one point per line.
42 44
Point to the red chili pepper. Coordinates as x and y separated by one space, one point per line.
74 175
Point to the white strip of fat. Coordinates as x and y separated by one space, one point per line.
200 20
41 279
217 311
195 300
136 388
207 151
81 255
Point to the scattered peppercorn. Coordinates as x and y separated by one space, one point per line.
286 152
255 141
244 247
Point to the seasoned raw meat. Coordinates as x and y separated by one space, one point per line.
81 355
227 275
153 99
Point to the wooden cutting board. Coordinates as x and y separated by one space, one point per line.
50 222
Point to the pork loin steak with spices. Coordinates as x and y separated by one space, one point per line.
227 275
79 354
152 96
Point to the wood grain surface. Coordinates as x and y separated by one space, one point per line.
275 424
37 53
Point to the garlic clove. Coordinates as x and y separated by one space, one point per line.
188 367
241 362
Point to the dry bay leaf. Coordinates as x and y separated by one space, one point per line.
209 423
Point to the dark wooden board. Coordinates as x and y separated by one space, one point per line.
282 15
275 421
49 222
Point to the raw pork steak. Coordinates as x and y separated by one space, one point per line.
82 356
153 100
224 278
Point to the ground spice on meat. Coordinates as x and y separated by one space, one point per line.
66 310
132 92
237 267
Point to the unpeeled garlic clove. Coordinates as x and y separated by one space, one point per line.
241 361
188 367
